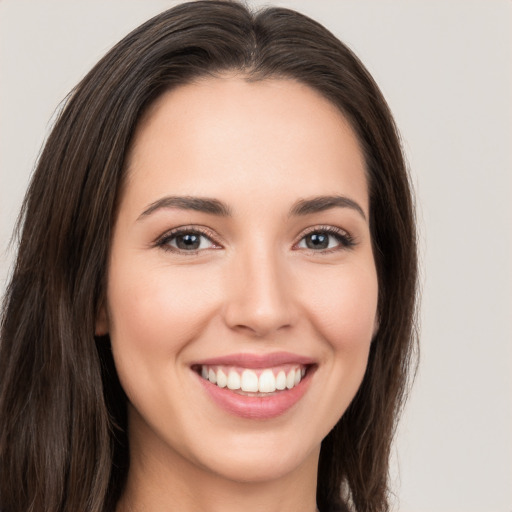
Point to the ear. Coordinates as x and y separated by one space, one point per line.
102 325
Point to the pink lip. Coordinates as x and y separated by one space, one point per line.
257 407
255 361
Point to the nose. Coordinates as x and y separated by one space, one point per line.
259 299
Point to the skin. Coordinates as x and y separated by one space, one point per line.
253 286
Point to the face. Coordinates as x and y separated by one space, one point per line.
242 289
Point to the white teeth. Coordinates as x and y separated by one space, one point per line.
290 379
233 380
222 379
249 381
267 382
281 380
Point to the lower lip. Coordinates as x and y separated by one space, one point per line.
256 407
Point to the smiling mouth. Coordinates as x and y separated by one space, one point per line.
254 382
256 386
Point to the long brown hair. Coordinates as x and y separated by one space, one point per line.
63 441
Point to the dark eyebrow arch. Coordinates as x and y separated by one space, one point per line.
200 204
322 203
216 207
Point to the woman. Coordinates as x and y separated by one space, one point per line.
213 302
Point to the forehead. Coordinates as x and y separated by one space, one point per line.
222 135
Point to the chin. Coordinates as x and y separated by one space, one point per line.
261 465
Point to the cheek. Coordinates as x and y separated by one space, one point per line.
153 314
344 308
158 298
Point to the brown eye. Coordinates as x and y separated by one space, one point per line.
186 240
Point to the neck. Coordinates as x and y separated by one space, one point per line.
215 498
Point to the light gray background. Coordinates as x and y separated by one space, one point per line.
445 68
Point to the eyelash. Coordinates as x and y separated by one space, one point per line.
163 242
345 240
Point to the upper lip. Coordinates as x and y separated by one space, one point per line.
246 360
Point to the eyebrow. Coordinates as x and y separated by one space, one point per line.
215 207
322 203
200 204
